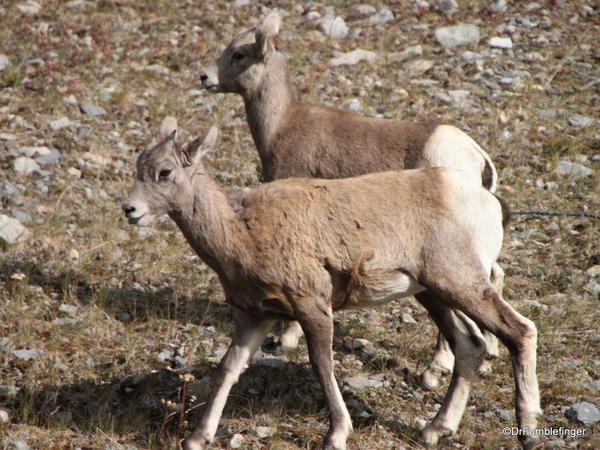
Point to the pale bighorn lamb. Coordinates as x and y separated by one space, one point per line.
299 249
295 140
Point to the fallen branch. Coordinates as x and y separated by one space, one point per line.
553 212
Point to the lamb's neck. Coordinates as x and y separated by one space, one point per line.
211 228
267 105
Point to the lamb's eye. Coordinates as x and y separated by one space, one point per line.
237 56
164 174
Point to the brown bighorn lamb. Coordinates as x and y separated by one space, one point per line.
296 140
300 248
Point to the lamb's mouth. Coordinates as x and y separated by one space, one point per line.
135 220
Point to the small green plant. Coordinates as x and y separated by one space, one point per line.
13 77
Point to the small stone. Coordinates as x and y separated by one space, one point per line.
362 381
4 62
409 52
501 42
569 168
454 36
12 231
334 27
419 67
584 412
90 109
264 432
384 15
28 355
595 385
446 5
4 417
594 271
157 68
353 105
71 310
580 121
17 445
7 189
357 344
123 317
96 159
165 355
593 287
505 415
353 57
364 10
459 97
275 362
70 100
407 318
499 5
236 441
21 216
536 304
547 114
29 7
57 124
73 172
25 165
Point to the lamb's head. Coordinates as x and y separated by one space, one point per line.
165 175
242 65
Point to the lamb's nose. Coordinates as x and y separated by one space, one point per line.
203 77
127 208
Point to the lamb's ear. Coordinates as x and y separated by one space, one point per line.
264 34
168 128
200 146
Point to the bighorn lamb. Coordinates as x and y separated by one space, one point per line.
299 249
295 140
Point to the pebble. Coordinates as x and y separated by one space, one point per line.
29 7
505 415
21 216
409 52
96 159
407 318
73 172
419 67
446 5
7 189
499 5
362 381
90 109
334 27
584 412
25 165
461 34
569 168
459 97
264 432
592 287
71 310
547 114
353 105
500 42
4 62
275 362
17 445
12 231
357 344
236 441
352 58
4 417
594 271
364 10
70 100
28 355
382 16
57 124
580 121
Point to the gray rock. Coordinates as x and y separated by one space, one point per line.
84 131
4 417
90 109
501 42
407 318
25 165
62 122
459 97
569 168
353 105
17 445
275 362
593 287
12 231
34 151
70 100
419 67
364 10
593 271
7 189
547 114
264 432
4 62
71 310
382 16
236 441
595 385
461 34
165 355
353 57
28 355
29 7
52 157
334 27
409 52
157 68
499 5
357 344
21 216
446 5
505 415
584 412
362 381
580 121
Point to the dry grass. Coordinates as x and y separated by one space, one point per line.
99 383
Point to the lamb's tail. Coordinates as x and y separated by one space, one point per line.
489 176
506 212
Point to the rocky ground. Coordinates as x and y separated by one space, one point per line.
101 324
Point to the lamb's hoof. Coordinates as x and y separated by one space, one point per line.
431 379
431 434
530 442
272 346
193 443
329 444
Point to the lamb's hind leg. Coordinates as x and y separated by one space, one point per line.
441 363
491 340
482 303
468 345
249 334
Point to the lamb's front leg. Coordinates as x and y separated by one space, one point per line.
315 318
249 334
